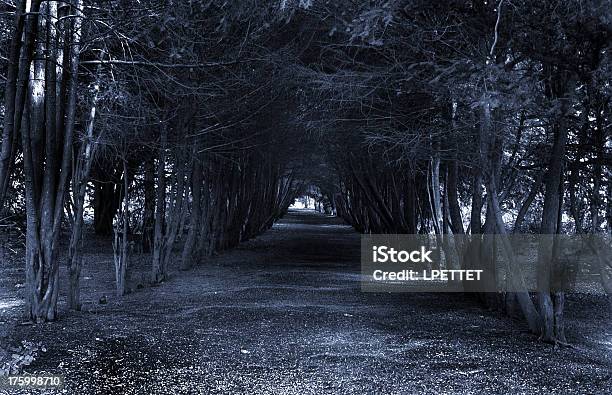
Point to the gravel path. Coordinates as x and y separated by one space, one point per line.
284 314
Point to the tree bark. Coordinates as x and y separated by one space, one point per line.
148 218
535 189
194 223
516 280
80 179
7 150
453 198
121 241
158 270
548 229
45 197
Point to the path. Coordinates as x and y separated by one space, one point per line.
284 314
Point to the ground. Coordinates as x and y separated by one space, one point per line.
284 314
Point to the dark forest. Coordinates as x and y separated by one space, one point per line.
183 185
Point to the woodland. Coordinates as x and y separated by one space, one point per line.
179 129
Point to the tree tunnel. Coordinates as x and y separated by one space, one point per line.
150 147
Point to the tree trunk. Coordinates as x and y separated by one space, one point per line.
196 192
45 195
535 189
9 132
158 270
515 278
548 228
80 179
453 199
121 241
148 218
107 197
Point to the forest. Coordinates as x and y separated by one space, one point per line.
169 133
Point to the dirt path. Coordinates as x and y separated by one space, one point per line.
284 314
